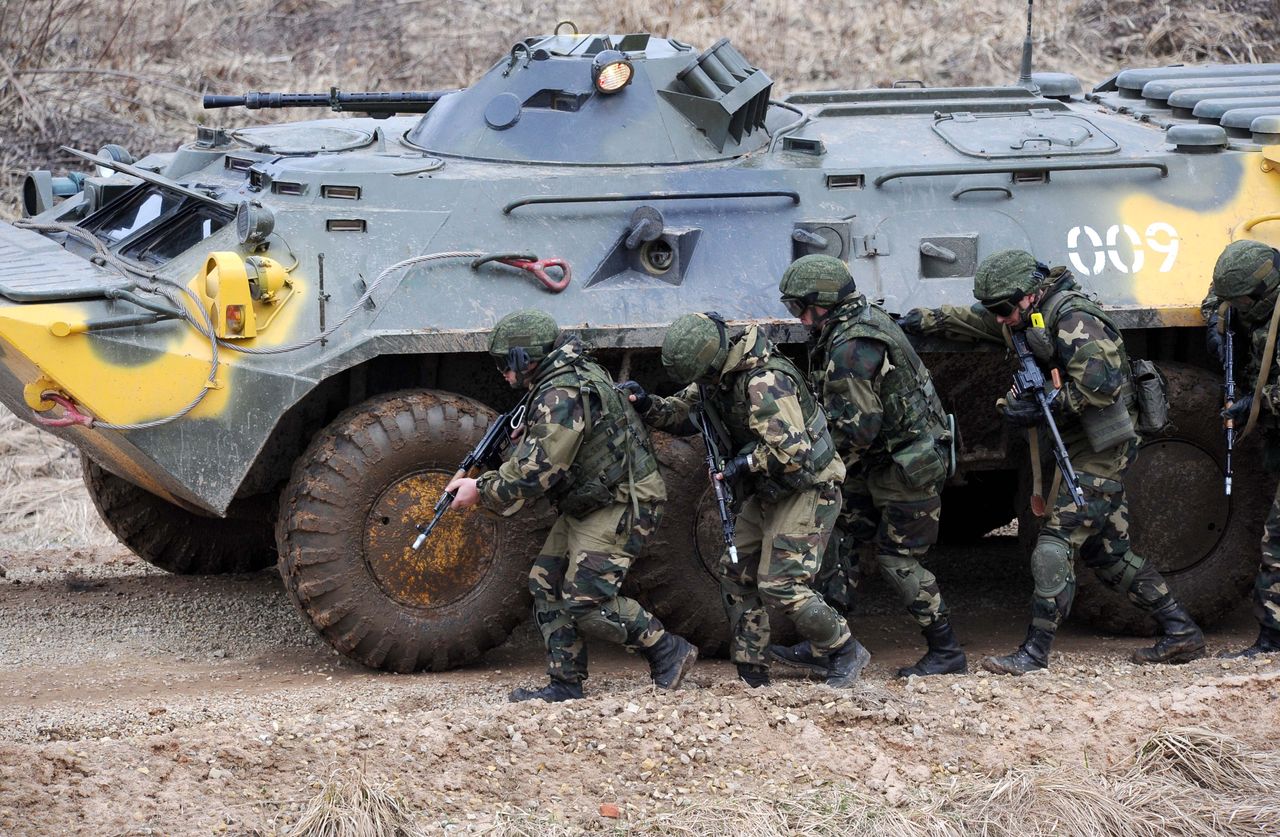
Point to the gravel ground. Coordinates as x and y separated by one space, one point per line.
134 702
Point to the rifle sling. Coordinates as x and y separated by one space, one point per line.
1264 369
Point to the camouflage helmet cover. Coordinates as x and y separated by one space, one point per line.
533 331
1007 273
817 279
695 345
1246 268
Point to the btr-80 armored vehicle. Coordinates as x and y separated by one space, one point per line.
269 344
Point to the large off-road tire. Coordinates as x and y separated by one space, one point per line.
676 578
175 539
1205 544
346 529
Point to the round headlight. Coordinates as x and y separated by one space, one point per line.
115 153
611 71
254 222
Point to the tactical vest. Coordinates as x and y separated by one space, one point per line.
912 408
615 445
1107 426
734 407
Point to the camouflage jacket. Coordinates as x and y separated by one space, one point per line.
1250 327
1085 347
763 411
877 393
556 424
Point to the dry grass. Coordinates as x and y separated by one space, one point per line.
350 804
88 72
1183 783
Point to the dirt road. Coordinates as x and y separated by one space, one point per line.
133 702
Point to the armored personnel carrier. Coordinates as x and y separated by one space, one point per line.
269 343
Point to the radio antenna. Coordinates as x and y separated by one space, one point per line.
1024 79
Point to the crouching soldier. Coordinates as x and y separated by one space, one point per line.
1095 409
787 476
1247 277
584 448
890 428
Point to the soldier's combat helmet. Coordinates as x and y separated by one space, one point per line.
815 279
695 347
1005 277
1246 268
520 338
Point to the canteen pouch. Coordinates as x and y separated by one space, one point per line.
922 463
1151 389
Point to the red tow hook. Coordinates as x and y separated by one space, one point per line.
536 266
72 414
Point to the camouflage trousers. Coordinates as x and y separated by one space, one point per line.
575 582
1266 587
1098 533
780 546
900 522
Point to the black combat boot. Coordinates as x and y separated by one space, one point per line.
554 692
944 655
1268 643
802 655
847 662
1032 655
753 674
670 659
1180 638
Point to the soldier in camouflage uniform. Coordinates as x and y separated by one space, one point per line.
584 448
1247 277
891 431
1096 413
786 475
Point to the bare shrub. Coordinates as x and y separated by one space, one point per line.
350 804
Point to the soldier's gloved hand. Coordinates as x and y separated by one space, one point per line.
912 321
1020 412
1213 341
638 396
1239 409
739 466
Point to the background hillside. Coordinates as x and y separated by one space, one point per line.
88 72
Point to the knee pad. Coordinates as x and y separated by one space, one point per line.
901 574
818 622
1051 566
603 622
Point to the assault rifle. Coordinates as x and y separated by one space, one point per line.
487 450
1229 387
715 470
1029 380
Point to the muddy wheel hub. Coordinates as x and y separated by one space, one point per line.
448 566
1176 499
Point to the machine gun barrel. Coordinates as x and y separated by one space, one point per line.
490 447
721 489
1229 390
374 104
1029 380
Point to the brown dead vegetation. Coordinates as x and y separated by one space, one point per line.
88 72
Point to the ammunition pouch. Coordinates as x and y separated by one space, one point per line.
922 463
1151 389
586 497
1109 426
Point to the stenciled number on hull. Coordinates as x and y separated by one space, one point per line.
1086 243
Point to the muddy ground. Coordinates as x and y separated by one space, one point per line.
134 702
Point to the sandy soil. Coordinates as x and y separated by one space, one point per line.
133 702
